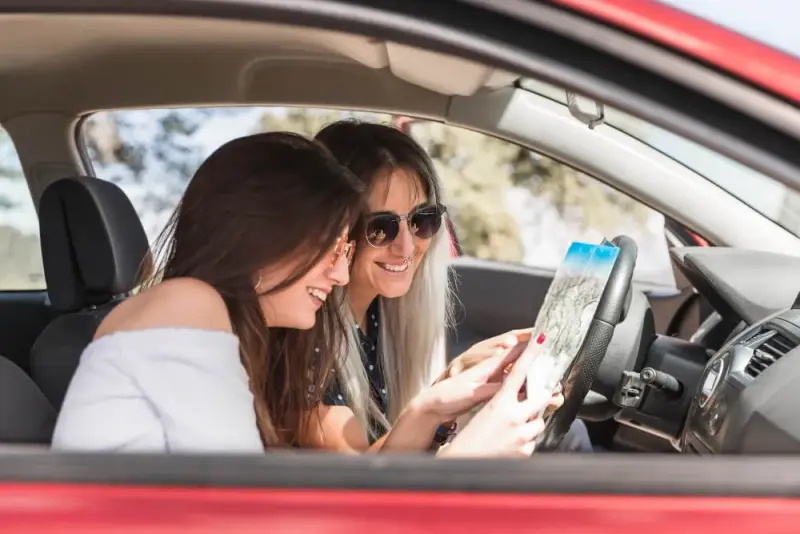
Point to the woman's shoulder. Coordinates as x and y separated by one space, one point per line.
179 303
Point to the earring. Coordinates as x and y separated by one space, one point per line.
258 282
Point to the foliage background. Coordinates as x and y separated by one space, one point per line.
507 203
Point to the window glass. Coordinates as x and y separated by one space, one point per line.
508 204
152 154
20 251
513 205
764 194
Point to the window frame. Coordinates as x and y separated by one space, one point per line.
405 123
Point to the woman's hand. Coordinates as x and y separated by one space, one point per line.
556 402
507 425
455 395
488 348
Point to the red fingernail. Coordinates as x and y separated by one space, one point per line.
540 339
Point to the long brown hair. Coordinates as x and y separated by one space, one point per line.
258 201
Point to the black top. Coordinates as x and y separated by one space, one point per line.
370 355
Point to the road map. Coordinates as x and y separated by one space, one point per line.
567 312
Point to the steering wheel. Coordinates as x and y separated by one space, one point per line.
583 369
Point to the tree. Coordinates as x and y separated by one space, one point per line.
309 121
152 154
475 180
9 169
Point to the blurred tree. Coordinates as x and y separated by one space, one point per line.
475 180
119 141
579 198
9 168
479 171
308 121
9 162
22 260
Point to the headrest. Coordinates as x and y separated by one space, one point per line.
93 242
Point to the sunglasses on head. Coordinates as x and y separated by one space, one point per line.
423 222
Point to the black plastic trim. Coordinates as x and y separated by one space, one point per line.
667 474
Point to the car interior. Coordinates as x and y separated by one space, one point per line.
703 367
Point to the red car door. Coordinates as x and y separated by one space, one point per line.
284 492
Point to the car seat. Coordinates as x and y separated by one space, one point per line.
93 246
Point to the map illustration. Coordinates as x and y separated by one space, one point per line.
567 312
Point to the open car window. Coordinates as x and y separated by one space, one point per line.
20 251
508 204
513 205
766 195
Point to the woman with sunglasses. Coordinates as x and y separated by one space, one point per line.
400 303
213 355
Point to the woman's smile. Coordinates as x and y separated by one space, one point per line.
395 267
318 296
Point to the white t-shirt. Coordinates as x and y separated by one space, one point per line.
160 390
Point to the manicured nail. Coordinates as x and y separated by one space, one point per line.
540 339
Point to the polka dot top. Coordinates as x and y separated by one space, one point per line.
370 354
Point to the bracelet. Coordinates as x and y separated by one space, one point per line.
444 434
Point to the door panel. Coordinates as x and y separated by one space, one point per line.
495 297
23 316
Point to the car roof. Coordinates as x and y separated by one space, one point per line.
725 49
108 61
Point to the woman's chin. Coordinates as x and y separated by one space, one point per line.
395 289
302 322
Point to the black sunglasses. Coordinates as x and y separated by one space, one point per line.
423 222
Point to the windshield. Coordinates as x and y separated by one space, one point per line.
762 193
772 23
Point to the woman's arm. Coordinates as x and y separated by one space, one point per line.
337 428
469 380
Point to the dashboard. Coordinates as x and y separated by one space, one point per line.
734 386
746 398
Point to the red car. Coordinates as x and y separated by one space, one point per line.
725 327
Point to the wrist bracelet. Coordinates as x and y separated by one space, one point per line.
444 434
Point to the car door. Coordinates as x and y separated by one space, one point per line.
494 297
292 492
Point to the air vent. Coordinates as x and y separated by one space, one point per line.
768 352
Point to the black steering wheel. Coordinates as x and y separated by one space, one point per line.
582 371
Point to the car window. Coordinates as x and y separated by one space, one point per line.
20 251
152 154
764 194
508 204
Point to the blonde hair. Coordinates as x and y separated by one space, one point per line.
412 327
413 332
